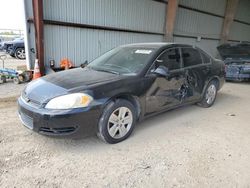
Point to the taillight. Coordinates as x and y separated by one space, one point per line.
224 68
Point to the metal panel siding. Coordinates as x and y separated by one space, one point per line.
212 6
208 46
86 44
243 11
240 32
144 15
197 24
80 44
29 9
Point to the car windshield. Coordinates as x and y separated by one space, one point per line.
123 60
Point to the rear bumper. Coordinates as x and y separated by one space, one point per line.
75 123
222 81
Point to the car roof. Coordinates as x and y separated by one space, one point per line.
156 45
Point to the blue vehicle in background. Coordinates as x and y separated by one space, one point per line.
237 61
12 74
15 48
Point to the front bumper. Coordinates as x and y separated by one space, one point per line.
11 52
75 123
237 77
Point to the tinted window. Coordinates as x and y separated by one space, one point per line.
205 57
191 57
170 59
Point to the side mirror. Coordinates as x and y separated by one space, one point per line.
161 71
84 64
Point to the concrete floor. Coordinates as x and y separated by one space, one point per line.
186 147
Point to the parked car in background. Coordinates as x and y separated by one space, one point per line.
237 60
119 88
15 48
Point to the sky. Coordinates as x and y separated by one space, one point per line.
11 14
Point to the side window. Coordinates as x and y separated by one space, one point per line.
191 57
170 59
206 59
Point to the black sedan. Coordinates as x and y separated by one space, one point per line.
121 87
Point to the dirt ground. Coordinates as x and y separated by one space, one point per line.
186 147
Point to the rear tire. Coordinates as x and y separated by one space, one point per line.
209 95
2 79
117 121
16 80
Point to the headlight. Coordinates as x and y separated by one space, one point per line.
75 100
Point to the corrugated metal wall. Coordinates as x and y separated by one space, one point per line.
144 15
85 44
80 44
193 23
241 31
212 6
243 11
195 18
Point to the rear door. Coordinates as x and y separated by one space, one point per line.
196 72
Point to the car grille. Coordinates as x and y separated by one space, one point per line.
246 70
232 70
63 130
26 120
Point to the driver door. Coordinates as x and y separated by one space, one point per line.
165 92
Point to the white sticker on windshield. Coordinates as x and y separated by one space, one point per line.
143 51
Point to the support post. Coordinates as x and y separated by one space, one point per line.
230 12
171 13
39 32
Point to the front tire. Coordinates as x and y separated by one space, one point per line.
209 95
117 121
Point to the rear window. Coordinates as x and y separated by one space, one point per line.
191 57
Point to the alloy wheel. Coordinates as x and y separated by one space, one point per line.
211 94
20 54
120 122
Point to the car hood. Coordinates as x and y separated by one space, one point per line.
69 81
8 42
235 51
